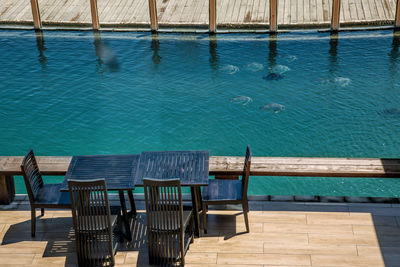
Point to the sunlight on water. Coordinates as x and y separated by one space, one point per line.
300 94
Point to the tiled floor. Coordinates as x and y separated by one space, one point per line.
282 234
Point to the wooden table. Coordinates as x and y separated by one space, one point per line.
117 170
191 167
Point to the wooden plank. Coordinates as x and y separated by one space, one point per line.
287 15
306 10
249 12
320 11
203 13
129 10
325 12
235 12
25 14
141 12
300 11
360 10
14 10
5 8
313 10
293 12
381 12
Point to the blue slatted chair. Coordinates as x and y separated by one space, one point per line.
220 192
41 195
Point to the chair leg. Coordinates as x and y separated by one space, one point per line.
204 217
245 206
42 212
33 222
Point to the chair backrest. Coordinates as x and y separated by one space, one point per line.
32 177
92 223
164 212
246 172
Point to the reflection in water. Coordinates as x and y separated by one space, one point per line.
41 48
214 60
394 54
155 46
273 38
333 44
106 59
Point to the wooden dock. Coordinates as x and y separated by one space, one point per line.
281 234
194 13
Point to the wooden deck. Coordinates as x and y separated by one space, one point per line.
230 13
282 234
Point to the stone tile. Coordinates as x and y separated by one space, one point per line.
277 238
200 258
304 249
342 239
229 247
348 261
307 228
267 259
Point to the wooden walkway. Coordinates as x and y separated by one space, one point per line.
230 13
281 234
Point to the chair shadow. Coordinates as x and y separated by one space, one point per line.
57 232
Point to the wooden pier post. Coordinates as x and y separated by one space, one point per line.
153 15
212 15
95 14
335 15
397 19
36 15
273 17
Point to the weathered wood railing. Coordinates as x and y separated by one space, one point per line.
233 166
212 20
260 166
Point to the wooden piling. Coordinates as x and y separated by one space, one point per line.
273 17
335 15
397 18
153 15
36 15
95 14
212 16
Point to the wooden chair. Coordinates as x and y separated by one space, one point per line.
41 195
169 227
94 224
228 192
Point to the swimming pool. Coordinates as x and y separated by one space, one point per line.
302 94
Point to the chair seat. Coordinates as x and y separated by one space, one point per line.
98 225
167 226
50 194
222 190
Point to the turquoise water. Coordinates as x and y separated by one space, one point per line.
69 93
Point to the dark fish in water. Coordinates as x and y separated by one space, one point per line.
273 76
107 56
275 107
390 112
